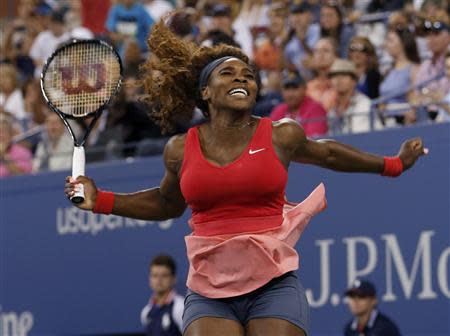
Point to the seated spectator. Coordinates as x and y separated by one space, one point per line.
268 41
269 95
182 23
221 29
54 151
17 38
303 35
15 159
299 107
11 97
351 112
162 316
74 24
252 15
94 15
48 40
437 29
332 25
443 102
35 105
362 53
401 45
128 21
319 88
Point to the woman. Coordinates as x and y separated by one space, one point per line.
362 53
241 279
15 159
401 46
332 25
11 97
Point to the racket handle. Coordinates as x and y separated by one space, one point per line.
78 165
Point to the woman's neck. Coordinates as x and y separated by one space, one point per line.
361 69
401 61
229 119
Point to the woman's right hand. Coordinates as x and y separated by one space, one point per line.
90 191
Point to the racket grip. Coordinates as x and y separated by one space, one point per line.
78 169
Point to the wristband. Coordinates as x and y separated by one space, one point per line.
393 166
104 202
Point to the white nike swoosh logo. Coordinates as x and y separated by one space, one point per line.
251 152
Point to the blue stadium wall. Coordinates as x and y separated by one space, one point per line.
68 272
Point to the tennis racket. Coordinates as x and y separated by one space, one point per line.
78 81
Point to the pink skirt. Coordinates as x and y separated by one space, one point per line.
231 265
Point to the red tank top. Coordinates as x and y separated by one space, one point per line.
246 195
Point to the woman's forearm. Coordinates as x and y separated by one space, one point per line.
344 158
147 204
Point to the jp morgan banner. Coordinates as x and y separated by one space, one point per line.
68 272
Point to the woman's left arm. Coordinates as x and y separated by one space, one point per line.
336 156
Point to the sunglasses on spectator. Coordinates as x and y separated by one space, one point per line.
358 47
435 27
402 29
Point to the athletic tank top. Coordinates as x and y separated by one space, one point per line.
243 196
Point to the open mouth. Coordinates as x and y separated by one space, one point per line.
238 92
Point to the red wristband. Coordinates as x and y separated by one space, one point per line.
104 203
393 166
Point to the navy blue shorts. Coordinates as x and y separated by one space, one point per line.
283 297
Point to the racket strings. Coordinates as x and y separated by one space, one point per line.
81 78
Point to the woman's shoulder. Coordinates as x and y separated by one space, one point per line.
174 152
286 132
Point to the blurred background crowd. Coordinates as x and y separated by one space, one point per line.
336 67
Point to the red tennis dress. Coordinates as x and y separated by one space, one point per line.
243 235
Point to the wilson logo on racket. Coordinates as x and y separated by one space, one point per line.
87 78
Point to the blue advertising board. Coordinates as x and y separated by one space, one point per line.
64 271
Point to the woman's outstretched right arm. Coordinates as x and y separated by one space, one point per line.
159 203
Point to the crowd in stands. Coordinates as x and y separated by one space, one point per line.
336 67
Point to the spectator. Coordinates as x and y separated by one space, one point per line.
401 45
128 21
15 159
351 112
94 15
253 15
303 35
54 151
385 5
47 41
437 29
35 105
11 97
221 30
182 24
162 316
73 22
368 320
18 38
362 53
158 8
319 88
332 25
298 106
269 41
444 101
270 95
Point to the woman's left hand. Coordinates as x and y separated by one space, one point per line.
410 151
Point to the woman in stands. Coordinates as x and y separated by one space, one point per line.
232 172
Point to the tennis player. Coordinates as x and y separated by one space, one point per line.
232 172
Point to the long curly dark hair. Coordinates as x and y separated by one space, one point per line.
172 75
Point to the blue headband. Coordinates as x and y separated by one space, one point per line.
208 69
